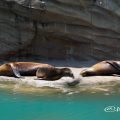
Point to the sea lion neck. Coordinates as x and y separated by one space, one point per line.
59 71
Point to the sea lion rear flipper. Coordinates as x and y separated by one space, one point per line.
15 71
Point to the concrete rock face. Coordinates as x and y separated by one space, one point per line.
60 29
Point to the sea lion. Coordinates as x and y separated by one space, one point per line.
102 68
19 69
53 73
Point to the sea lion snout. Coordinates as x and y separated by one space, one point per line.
67 72
87 72
72 75
83 73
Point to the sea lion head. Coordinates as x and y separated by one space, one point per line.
67 72
87 72
43 72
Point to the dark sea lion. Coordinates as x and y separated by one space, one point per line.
102 68
53 73
18 69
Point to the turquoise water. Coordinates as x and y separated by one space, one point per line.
82 106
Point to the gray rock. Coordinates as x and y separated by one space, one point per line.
60 29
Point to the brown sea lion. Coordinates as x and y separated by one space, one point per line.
102 68
19 69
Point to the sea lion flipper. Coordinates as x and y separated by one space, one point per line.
114 64
15 71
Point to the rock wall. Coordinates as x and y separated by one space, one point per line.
60 29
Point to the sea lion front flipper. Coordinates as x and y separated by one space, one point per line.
15 71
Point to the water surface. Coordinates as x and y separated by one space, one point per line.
52 104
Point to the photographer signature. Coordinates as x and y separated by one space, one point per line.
112 109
